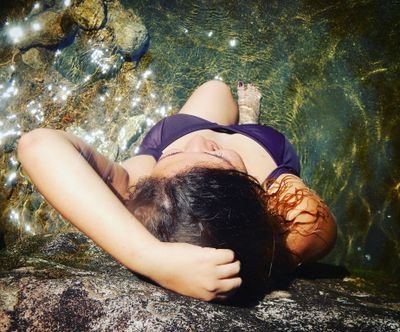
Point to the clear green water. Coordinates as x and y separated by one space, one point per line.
329 75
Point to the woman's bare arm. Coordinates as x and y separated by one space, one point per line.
307 227
86 188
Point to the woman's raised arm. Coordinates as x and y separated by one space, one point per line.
307 227
86 188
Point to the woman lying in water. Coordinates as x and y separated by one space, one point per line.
207 206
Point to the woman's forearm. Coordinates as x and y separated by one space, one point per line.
70 184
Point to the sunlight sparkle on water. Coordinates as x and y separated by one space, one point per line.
11 91
149 122
135 101
147 73
35 109
233 43
14 216
36 26
16 33
13 161
99 58
10 180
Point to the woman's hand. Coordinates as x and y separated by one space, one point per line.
203 273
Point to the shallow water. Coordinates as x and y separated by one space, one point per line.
329 75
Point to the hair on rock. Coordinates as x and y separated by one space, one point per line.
211 208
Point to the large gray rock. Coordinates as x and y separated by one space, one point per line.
65 283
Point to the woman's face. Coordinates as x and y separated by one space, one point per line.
201 152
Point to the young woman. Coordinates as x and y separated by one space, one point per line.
197 172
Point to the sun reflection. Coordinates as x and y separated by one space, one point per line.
35 109
36 26
14 216
11 91
28 228
10 179
147 73
149 122
233 43
135 101
13 161
103 59
15 33
10 133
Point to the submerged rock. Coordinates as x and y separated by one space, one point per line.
88 14
100 53
131 36
64 282
37 58
90 57
47 29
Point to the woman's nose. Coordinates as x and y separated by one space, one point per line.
201 144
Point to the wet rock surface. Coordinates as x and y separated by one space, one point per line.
64 282
47 29
131 35
89 14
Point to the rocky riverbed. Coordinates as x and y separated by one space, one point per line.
63 282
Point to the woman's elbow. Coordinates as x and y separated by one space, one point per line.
32 140
310 243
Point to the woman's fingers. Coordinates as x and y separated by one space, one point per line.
227 285
223 256
228 270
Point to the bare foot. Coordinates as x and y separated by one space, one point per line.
248 102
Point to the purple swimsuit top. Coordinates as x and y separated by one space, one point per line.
173 127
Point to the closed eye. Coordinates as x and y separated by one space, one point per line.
169 155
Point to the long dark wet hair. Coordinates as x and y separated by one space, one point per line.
214 208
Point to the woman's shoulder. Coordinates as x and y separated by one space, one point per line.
306 225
